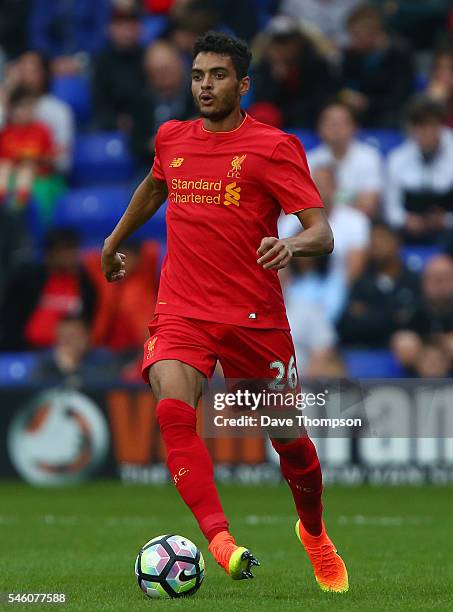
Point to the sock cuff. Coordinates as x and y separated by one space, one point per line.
292 448
171 411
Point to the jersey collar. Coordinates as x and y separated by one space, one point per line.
229 132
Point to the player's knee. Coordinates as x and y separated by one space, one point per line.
173 414
171 381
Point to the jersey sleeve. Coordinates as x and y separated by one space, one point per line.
288 178
157 170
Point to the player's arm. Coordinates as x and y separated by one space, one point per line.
315 239
147 199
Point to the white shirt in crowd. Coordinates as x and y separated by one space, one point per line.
57 115
310 329
350 228
328 16
408 171
359 171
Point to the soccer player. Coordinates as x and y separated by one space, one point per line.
226 177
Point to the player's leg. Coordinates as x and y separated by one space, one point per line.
177 387
265 355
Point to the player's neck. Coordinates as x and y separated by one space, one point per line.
229 123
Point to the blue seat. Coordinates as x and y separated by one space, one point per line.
155 228
16 368
385 140
308 138
152 27
416 256
366 363
101 157
94 212
76 91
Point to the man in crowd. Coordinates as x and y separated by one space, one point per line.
432 320
165 96
71 359
38 296
357 165
377 71
118 73
383 297
419 186
292 74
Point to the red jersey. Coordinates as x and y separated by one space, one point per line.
225 193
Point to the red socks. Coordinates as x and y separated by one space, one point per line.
190 465
300 467
192 472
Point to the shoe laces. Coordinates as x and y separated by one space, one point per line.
325 559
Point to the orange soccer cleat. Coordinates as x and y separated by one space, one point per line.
237 561
329 568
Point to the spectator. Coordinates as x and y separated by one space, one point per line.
328 16
432 361
419 184
268 113
68 32
432 320
383 297
26 148
118 73
421 22
166 96
189 19
72 360
358 166
292 74
313 334
14 15
440 84
350 227
124 310
39 295
377 71
32 71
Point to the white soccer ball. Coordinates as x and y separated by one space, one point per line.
169 566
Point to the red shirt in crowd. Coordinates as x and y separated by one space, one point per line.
32 141
225 193
60 297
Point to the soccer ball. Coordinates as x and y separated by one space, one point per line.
169 566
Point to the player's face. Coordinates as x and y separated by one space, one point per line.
215 86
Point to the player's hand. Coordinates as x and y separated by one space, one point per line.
274 253
113 265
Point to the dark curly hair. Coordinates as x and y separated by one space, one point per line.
217 42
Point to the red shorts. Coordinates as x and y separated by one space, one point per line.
243 352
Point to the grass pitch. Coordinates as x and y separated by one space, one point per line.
83 541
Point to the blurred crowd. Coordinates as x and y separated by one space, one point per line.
327 70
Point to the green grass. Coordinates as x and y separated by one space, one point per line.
83 541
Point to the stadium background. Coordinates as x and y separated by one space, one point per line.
101 77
